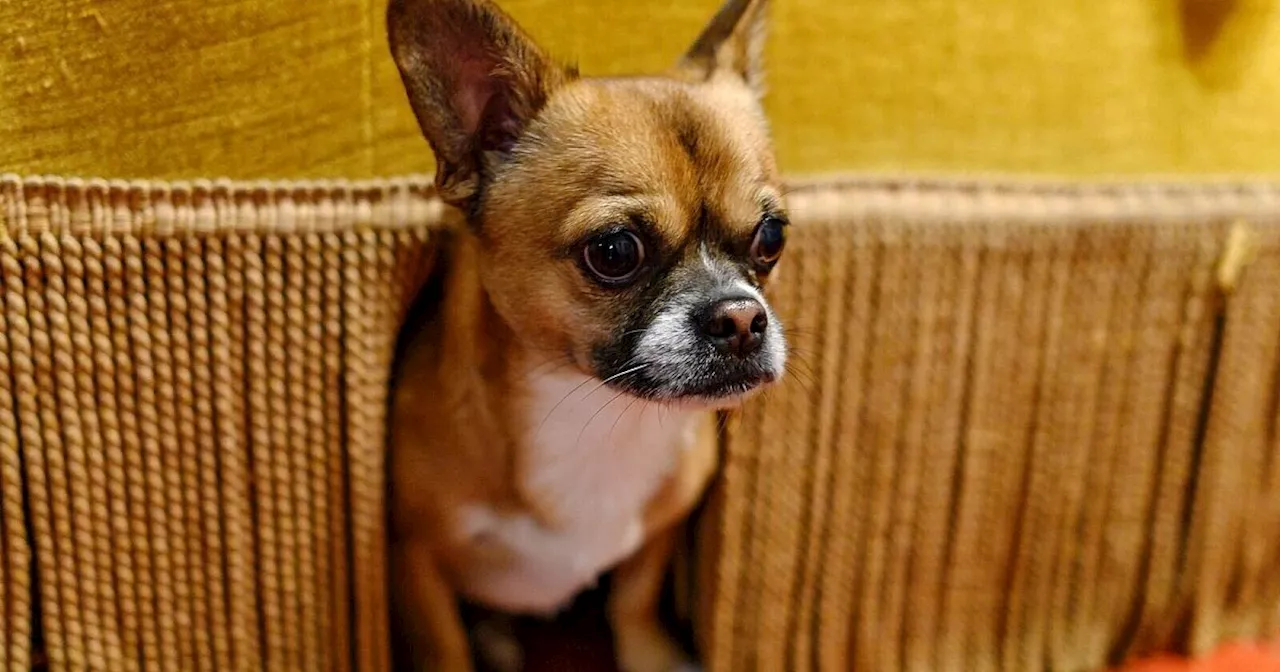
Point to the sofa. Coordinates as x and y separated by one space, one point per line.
1034 291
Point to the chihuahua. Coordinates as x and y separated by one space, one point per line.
601 299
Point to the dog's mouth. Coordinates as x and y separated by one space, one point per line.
719 398
720 390
730 388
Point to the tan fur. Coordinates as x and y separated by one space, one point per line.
672 147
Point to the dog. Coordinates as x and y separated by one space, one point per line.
599 302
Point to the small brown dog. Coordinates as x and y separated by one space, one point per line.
602 300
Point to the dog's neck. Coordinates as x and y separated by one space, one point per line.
592 453
478 340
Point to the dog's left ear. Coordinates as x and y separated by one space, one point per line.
732 43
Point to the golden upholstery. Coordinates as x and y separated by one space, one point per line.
291 88
1030 423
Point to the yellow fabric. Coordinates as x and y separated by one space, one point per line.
296 88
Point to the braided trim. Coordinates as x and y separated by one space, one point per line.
15 365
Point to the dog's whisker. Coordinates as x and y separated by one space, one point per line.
557 405
805 379
618 375
803 366
618 419
592 419
803 385
587 395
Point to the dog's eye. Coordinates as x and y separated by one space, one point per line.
615 257
770 238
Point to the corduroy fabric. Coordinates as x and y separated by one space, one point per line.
1027 426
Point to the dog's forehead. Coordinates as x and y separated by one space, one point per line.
689 151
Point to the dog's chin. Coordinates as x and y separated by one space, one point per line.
709 396
703 402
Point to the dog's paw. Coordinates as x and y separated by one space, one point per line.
497 646
647 648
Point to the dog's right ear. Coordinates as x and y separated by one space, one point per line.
474 81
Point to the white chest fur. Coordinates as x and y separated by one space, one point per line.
592 460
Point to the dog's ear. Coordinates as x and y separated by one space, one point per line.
474 80
732 43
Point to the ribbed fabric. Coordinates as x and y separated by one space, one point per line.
191 402
1025 427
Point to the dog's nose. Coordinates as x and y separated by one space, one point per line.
735 326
